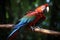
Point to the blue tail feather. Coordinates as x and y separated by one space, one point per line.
16 28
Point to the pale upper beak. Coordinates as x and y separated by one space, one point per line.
47 8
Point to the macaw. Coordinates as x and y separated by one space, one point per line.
30 19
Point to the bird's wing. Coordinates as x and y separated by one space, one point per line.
23 21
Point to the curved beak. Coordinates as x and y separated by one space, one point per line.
47 8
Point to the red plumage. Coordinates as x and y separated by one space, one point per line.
38 13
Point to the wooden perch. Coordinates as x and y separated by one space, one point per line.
39 30
46 31
6 25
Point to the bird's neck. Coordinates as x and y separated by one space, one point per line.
32 13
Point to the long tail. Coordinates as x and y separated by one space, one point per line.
14 31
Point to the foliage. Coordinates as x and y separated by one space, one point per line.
15 9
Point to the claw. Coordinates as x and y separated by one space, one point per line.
32 28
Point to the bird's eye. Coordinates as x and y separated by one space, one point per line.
45 11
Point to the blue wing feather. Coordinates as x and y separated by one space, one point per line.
23 21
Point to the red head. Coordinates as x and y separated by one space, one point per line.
41 8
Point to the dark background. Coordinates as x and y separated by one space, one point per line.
12 10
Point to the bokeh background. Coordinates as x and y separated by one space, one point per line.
12 10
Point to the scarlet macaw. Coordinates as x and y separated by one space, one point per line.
30 19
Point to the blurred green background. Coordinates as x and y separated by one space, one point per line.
12 10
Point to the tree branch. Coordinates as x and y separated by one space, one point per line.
39 30
46 31
6 25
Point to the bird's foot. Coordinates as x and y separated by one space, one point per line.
32 28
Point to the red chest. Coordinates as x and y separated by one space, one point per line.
36 20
